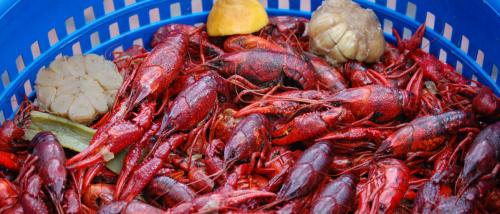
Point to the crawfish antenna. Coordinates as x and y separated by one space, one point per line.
271 205
462 190
56 201
398 39
358 166
225 167
416 83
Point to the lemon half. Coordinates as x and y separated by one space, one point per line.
231 17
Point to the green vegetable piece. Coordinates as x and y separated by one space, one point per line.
71 135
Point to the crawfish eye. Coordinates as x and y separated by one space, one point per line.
221 98
153 139
382 208
377 115
216 64
169 126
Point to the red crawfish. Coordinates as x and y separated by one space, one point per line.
358 75
50 164
12 131
387 183
144 173
111 139
492 200
329 78
465 202
184 80
224 124
128 60
337 196
170 191
242 178
357 134
133 207
341 163
286 103
8 194
307 172
439 185
392 56
397 61
97 195
9 161
280 158
483 158
153 76
222 201
199 43
354 147
400 77
165 31
486 104
264 67
412 43
378 103
288 32
9 132
310 125
193 104
31 202
431 105
71 203
348 162
159 69
423 134
436 70
29 197
196 174
248 42
248 139
289 25
133 157
277 167
294 206
214 164
397 57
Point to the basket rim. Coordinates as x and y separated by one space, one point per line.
7 5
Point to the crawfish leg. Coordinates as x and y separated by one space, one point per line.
132 159
9 161
144 173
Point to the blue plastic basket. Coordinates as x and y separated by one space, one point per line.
463 33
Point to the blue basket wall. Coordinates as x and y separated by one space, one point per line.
33 32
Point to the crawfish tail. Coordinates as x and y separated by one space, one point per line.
248 137
50 164
117 207
313 164
482 157
265 67
423 134
171 191
337 196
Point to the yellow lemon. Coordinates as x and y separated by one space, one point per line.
230 17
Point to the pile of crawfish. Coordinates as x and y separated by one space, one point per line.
256 123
